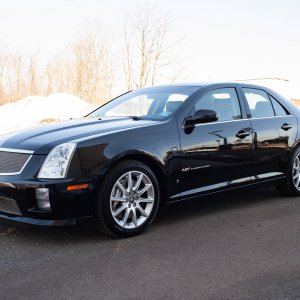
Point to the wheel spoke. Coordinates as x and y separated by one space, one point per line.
121 187
134 218
142 211
144 189
297 181
126 215
296 172
146 200
118 199
119 210
130 186
138 182
297 162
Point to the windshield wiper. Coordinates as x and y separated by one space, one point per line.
136 118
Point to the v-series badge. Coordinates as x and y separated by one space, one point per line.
195 168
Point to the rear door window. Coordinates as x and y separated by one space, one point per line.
259 103
279 109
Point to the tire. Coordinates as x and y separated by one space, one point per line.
128 199
291 186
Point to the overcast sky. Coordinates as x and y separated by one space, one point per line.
220 39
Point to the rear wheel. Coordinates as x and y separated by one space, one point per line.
291 187
128 199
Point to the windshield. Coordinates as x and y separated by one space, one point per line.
154 103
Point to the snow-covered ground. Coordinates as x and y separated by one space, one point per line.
32 111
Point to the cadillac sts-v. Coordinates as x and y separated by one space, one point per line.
148 147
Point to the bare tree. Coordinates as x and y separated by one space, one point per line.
146 48
59 75
3 63
128 58
20 76
92 66
34 85
16 77
85 70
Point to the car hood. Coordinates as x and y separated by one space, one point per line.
43 138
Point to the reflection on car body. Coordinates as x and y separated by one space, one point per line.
151 146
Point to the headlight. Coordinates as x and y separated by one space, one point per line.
57 161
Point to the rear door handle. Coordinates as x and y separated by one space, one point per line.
242 134
286 126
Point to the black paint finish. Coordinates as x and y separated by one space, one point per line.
189 161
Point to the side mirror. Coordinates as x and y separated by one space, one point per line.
202 116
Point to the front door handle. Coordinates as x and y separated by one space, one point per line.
286 126
242 134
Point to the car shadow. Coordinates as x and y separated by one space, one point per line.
214 204
67 234
174 213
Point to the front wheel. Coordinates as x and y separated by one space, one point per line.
128 199
291 187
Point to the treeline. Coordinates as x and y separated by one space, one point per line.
86 68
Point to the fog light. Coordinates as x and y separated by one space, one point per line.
42 199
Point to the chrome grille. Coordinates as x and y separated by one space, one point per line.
12 163
9 206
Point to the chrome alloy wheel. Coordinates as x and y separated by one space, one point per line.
296 172
132 199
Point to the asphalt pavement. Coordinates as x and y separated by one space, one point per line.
235 246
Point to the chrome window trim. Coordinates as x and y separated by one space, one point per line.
217 122
243 119
271 117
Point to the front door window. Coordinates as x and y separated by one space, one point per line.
223 101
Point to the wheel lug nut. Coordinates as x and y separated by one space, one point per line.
134 204
129 205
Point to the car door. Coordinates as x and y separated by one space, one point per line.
274 130
216 155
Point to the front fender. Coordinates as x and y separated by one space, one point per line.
154 143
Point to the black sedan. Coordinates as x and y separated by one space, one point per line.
148 147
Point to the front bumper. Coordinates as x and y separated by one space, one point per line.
18 201
42 222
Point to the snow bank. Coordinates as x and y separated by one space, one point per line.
34 110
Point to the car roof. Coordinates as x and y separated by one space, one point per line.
203 84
